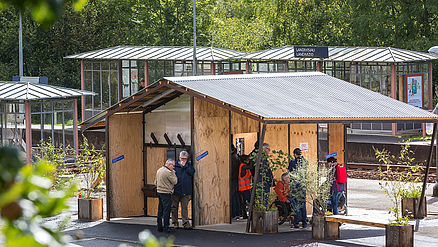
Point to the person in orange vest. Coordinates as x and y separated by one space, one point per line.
244 185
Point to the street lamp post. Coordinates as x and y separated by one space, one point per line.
194 38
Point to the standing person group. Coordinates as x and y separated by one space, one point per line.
174 183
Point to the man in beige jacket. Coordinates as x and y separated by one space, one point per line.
165 180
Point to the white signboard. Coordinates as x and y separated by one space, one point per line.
304 146
414 90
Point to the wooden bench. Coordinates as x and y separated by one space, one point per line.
393 236
332 226
150 190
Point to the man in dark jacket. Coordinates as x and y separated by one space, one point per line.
183 189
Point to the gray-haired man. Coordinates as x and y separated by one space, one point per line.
165 180
183 189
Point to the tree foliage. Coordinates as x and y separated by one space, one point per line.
245 25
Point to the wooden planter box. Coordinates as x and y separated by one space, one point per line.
264 222
322 229
410 206
399 236
90 209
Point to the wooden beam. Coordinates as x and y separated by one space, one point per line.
429 161
192 148
28 118
108 170
393 94
257 168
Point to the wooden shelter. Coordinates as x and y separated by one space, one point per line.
204 114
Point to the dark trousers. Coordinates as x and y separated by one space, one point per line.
164 204
235 202
245 197
301 215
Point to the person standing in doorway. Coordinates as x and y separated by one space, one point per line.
244 186
165 180
235 202
183 189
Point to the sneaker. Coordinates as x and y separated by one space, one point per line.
169 230
188 227
175 224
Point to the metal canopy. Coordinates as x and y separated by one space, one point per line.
347 54
305 97
25 91
158 53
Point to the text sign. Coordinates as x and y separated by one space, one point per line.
331 155
117 159
199 157
304 146
311 51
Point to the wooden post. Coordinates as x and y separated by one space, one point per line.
247 67
213 68
257 168
319 66
429 160
108 170
75 126
28 133
83 88
192 147
119 67
146 72
430 87
393 94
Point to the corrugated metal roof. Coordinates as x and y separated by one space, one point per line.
158 53
347 54
306 95
31 91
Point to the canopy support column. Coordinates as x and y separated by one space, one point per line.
28 133
393 94
257 168
82 88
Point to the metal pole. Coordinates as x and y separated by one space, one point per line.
429 160
257 168
28 118
435 187
20 46
194 38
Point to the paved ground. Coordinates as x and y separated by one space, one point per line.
364 198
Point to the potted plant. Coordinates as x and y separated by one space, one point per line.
91 171
265 214
393 183
410 187
318 184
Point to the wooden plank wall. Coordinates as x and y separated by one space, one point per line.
336 140
277 138
126 176
300 133
156 157
212 179
306 133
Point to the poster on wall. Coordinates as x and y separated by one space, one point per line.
414 90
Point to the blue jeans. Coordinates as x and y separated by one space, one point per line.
164 205
335 199
301 214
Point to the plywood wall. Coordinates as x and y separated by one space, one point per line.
336 140
126 175
241 124
156 157
305 133
211 181
277 138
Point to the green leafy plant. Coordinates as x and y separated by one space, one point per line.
26 197
318 183
57 157
398 184
91 168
